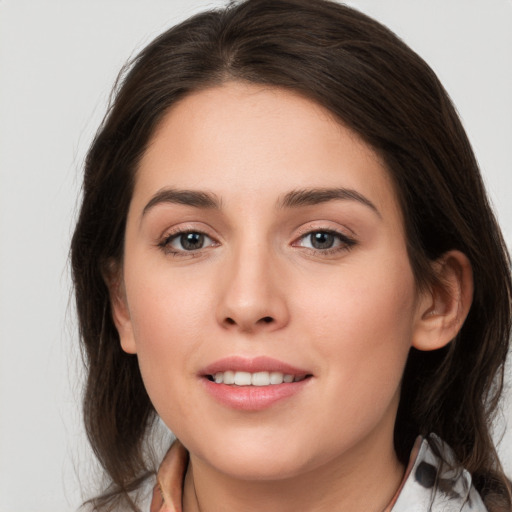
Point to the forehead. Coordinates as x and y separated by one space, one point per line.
242 140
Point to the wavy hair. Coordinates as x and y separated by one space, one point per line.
377 86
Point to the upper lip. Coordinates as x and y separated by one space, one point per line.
252 365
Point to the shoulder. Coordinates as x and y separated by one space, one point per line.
437 483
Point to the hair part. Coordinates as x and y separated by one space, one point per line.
379 88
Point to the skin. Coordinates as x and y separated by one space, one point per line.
348 315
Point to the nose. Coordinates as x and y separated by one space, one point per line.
253 295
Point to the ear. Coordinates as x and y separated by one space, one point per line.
443 307
120 312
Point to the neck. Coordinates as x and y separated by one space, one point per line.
363 479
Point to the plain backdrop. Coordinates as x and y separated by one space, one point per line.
58 60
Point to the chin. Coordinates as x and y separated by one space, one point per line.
261 466
254 457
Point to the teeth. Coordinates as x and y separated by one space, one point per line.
260 379
242 379
229 377
254 379
276 378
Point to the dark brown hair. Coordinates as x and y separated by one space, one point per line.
377 86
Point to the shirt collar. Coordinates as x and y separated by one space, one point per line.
433 481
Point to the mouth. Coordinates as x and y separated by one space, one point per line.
257 379
256 371
253 384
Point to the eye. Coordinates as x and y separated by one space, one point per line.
186 241
321 240
325 240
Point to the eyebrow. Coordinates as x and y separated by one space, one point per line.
310 197
195 198
293 199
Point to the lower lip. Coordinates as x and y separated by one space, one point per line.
253 398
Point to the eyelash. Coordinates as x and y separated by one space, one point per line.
166 247
346 243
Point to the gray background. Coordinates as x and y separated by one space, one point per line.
58 60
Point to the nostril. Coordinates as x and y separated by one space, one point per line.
263 320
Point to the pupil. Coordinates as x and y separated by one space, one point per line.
322 240
191 241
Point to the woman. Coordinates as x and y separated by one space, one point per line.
286 252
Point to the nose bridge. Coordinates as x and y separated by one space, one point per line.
252 297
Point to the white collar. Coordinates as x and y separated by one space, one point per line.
437 483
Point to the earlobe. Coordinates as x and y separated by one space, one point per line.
120 311
443 308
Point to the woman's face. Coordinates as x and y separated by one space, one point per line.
265 244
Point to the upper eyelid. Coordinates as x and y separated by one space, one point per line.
310 227
170 236
344 234
300 232
334 232
188 227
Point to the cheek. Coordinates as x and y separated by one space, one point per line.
363 323
167 307
169 321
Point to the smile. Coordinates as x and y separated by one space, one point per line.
242 378
253 384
